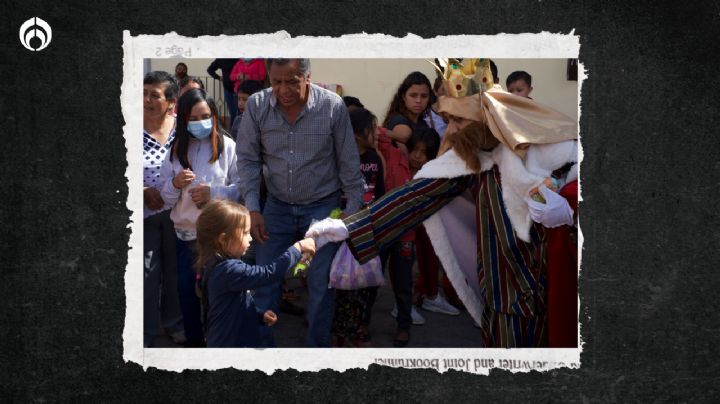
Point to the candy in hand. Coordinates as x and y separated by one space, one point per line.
551 184
554 212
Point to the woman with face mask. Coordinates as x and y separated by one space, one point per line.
200 166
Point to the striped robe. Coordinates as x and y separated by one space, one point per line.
511 272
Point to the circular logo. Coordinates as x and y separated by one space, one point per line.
35 34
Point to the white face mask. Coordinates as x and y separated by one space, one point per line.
200 129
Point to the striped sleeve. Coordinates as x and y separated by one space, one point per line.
376 227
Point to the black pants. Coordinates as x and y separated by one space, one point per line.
400 265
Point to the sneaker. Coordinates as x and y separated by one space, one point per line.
439 305
417 319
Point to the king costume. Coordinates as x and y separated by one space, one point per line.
480 221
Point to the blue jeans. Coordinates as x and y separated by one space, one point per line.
189 302
231 103
286 223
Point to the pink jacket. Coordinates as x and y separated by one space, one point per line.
254 70
397 170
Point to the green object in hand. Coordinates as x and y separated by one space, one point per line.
304 262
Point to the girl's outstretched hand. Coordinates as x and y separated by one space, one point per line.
306 246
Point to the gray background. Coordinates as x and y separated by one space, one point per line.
650 109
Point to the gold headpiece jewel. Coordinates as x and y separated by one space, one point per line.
463 77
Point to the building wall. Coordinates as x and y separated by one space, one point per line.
374 81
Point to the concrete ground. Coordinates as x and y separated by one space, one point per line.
439 330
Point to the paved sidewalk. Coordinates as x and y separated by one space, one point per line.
439 330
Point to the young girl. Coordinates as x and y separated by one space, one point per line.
223 236
200 166
408 106
423 146
353 307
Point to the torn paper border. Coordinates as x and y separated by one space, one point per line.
281 44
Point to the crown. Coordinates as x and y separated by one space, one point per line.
462 77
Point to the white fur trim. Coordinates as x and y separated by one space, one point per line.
518 177
438 234
543 159
448 165
517 182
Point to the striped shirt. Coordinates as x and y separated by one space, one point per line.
304 161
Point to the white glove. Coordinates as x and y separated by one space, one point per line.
327 230
554 212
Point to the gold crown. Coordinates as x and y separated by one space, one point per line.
463 77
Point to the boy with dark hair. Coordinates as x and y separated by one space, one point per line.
244 91
519 83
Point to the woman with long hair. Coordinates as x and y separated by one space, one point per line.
408 106
405 114
201 166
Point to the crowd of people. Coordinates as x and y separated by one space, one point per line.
482 202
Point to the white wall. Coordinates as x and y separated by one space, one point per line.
374 81
196 67
549 81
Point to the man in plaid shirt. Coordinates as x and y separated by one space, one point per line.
298 136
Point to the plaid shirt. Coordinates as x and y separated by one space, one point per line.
302 162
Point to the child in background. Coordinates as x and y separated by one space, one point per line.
432 118
352 103
244 91
423 146
519 83
353 307
364 125
223 236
